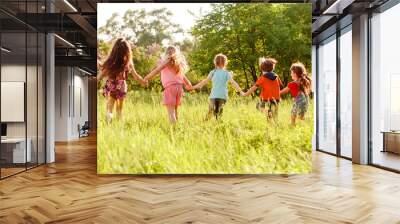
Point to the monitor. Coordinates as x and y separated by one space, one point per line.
3 129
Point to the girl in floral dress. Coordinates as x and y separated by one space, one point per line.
116 69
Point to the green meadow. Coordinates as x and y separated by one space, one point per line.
241 142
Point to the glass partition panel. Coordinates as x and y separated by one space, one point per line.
327 95
41 79
32 86
346 92
22 77
14 153
32 98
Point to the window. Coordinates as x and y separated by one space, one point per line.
385 89
346 74
327 95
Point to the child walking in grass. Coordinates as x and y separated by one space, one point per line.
116 68
219 91
269 83
172 68
299 88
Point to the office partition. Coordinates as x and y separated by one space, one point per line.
22 77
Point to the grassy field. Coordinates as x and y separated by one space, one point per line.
242 142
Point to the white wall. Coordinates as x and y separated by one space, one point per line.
10 73
16 73
81 84
70 83
33 127
61 103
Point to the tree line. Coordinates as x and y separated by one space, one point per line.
244 32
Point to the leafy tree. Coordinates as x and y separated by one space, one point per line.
142 28
245 32
147 31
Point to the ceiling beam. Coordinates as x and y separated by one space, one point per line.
86 27
78 61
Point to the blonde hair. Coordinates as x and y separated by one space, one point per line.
267 64
177 60
220 60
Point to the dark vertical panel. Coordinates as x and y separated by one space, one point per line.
45 95
338 74
26 87
73 91
1 163
317 96
37 91
369 100
45 87
69 92
59 82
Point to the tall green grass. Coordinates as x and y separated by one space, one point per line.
242 142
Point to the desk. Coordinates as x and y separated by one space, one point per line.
391 141
16 148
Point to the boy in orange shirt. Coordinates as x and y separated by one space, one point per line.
269 83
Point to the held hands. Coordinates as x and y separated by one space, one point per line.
144 83
190 87
146 80
240 91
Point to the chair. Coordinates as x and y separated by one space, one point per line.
84 130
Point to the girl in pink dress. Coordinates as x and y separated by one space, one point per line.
172 68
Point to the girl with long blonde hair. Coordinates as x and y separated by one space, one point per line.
172 68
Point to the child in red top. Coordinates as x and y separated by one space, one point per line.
299 88
269 83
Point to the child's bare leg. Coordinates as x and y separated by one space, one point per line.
267 114
272 116
110 108
176 112
120 104
275 113
208 115
301 117
210 110
293 118
171 114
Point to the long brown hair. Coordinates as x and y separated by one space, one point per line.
176 60
119 60
304 80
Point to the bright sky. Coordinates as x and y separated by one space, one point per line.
180 12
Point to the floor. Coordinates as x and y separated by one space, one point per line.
10 171
387 159
70 191
5 172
